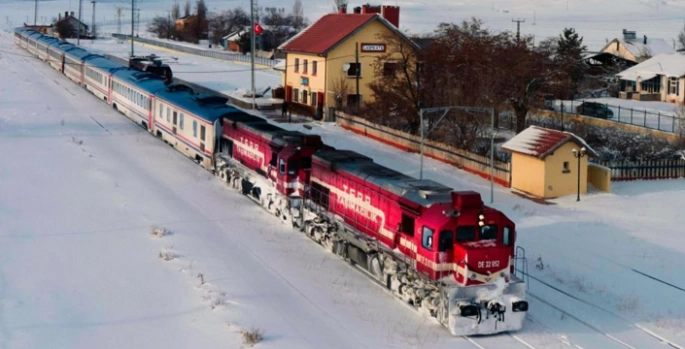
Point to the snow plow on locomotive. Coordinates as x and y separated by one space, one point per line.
442 251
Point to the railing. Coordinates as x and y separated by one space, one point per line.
648 169
652 119
223 55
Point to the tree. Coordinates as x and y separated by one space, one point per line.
569 57
298 15
65 29
175 11
162 26
201 21
681 40
186 9
227 22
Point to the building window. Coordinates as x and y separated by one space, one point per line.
304 66
313 67
566 169
305 94
389 68
352 70
296 95
674 86
297 65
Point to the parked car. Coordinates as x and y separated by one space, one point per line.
594 109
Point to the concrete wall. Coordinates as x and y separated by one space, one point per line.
599 176
467 161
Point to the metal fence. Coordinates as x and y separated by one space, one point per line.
652 119
648 169
223 55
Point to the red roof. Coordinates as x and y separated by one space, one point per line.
542 142
327 32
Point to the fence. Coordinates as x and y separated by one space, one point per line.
655 119
226 56
465 160
650 169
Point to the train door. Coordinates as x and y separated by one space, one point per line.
445 251
406 235
150 113
175 121
288 93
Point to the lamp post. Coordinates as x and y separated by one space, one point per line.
492 137
578 154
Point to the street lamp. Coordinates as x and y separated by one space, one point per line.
492 137
578 154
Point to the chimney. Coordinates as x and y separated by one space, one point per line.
391 14
66 14
369 9
72 13
342 9
645 40
358 10
59 16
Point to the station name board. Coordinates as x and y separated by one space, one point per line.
373 47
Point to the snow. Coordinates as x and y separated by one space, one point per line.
79 267
540 142
670 65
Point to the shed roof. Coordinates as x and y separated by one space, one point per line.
542 142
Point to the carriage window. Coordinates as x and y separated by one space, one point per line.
427 238
488 232
195 128
202 132
181 125
161 111
407 225
446 241
506 238
168 114
467 233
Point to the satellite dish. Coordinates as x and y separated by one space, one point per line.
346 66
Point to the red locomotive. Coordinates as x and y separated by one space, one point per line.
440 250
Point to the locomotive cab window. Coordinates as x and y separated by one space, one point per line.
427 238
506 236
281 166
292 167
466 233
446 242
488 232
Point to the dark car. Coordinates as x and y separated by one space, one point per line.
597 110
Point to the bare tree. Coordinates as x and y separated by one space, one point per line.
298 15
175 11
341 90
681 40
187 8
201 25
65 29
161 26
227 22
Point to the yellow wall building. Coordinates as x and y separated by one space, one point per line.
544 164
327 61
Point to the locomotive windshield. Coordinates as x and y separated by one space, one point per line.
468 233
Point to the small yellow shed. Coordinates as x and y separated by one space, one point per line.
548 163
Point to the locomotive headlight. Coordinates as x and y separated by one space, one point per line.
481 217
481 223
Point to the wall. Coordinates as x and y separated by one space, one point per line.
604 123
559 183
373 33
467 161
599 176
317 82
621 52
527 174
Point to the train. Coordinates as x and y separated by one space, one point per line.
441 251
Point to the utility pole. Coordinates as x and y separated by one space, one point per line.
119 19
35 13
92 24
518 28
78 38
133 22
252 51
357 71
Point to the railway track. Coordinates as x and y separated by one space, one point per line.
624 343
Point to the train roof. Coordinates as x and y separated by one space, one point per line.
209 107
148 82
103 63
49 39
77 52
63 45
424 192
35 33
237 115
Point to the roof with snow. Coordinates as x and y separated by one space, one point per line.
637 47
670 65
542 142
332 29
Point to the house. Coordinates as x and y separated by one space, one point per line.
232 40
322 68
185 22
544 163
637 49
73 22
660 78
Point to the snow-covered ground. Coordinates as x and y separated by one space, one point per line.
596 20
80 187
